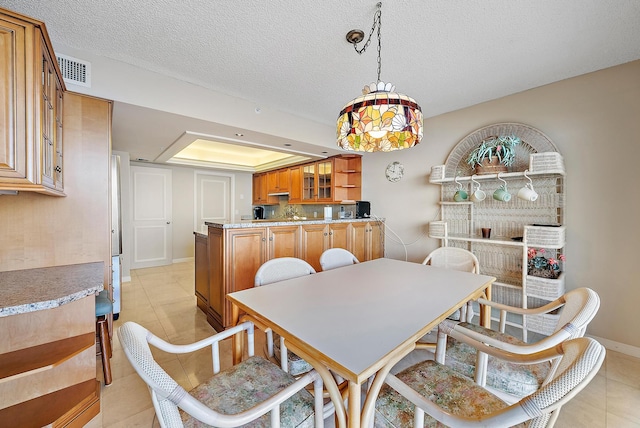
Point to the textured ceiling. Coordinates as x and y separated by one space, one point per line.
292 55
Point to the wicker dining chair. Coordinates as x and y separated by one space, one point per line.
456 259
253 393
275 270
337 257
512 381
431 394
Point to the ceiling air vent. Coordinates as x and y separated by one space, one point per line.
75 71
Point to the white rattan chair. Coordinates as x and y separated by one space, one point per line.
512 381
456 259
275 270
337 257
429 392
254 390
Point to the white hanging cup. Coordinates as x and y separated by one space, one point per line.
527 193
477 195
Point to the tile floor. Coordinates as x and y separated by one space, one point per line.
162 299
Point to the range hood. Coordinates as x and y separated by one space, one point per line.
278 194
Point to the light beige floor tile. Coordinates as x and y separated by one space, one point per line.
142 419
623 368
125 397
615 421
623 400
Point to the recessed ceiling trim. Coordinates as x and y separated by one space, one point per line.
206 164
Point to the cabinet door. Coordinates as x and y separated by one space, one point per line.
258 183
13 142
375 236
309 183
338 235
284 241
358 240
295 184
324 181
246 251
48 126
314 241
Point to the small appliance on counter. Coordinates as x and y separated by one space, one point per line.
258 213
363 209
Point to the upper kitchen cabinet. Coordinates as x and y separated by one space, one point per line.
261 191
31 157
278 182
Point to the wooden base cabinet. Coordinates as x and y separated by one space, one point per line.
230 258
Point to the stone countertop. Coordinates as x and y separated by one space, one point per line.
284 222
30 290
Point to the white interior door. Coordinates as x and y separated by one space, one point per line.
152 231
212 199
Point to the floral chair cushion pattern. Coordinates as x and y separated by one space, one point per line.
228 393
296 365
514 379
445 387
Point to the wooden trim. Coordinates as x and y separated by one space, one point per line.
43 357
52 408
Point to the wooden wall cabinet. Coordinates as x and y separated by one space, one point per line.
31 155
366 240
334 180
278 181
231 257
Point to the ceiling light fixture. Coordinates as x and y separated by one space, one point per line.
380 120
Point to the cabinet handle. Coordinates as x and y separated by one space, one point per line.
330 233
271 239
325 234
264 239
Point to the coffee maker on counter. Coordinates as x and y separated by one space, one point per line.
258 213
363 209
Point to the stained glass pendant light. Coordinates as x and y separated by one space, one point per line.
380 120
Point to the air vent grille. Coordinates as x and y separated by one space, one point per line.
75 71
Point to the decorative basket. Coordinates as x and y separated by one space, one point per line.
437 229
545 288
543 323
492 166
544 236
437 173
547 162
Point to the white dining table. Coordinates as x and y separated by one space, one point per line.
358 319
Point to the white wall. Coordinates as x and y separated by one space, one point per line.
594 120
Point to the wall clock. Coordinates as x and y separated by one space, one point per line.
394 171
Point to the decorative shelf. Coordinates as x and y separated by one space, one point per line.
42 357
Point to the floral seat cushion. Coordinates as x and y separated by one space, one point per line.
515 379
445 387
297 366
246 384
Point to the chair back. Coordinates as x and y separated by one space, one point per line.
580 307
161 386
453 258
337 257
579 364
280 269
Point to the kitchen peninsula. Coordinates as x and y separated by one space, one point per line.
228 256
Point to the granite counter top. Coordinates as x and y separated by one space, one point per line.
284 222
32 290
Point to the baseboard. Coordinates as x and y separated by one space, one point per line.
186 259
623 348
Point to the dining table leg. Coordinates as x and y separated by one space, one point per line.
354 404
237 341
485 311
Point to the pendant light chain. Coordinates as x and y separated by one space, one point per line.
377 22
